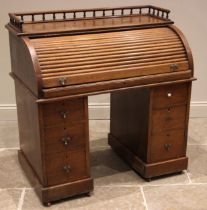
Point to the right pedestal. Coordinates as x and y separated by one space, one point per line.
149 128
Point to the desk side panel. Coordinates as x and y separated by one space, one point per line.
29 131
129 119
22 65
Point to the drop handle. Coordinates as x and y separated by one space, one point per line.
62 81
66 168
167 146
64 114
66 140
174 67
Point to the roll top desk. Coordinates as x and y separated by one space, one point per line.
59 58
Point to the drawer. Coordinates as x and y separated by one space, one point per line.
169 95
65 138
168 118
63 112
62 168
167 146
55 172
78 164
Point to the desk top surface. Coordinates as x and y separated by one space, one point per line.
91 24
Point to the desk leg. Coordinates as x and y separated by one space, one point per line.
148 130
54 145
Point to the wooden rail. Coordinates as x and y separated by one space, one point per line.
18 19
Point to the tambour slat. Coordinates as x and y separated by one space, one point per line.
83 42
128 52
110 51
108 56
111 42
141 46
73 65
106 75
111 67
88 46
104 36
66 42
113 35
112 55
165 31
117 67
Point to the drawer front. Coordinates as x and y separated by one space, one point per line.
169 118
63 139
78 165
61 168
63 112
165 96
167 146
55 172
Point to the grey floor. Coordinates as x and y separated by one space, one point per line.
116 185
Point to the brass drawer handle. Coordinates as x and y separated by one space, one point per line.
66 140
67 168
174 67
64 114
62 81
167 146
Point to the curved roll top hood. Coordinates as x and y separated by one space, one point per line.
71 53
72 60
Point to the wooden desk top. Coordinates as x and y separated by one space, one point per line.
89 24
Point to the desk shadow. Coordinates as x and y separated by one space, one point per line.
101 142
105 162
107 168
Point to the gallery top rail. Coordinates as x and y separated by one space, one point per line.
18 19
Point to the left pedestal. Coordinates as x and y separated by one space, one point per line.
54 145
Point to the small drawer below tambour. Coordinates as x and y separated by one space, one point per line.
65 138
167 95
62 168
169 118
167 145
64 111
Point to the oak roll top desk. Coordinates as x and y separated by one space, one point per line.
59 58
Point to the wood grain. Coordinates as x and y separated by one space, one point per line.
172 117
171 95
73 110
115 55
160 152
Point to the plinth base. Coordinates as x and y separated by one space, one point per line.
147 170
57 192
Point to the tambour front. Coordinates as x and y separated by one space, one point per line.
59 58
